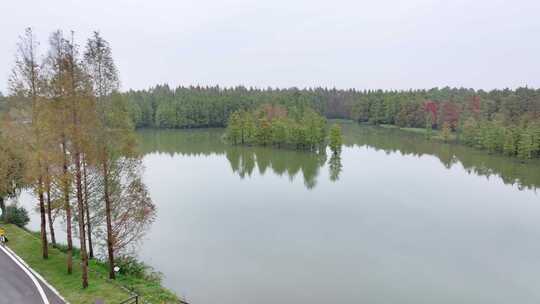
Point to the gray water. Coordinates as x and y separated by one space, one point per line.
404 221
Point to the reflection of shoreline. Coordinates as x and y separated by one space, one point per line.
242 159
510 170
208 141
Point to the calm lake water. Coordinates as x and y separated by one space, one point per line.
396 220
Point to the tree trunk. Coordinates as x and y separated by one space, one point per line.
82 229
67 207
49 218
87 210
49 207
77 161
44 243
110 241
2 207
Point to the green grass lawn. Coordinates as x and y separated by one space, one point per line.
28 247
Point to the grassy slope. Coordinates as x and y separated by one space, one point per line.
28 247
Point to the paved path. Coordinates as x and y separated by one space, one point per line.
19 286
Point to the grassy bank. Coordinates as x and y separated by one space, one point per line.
435 135
27 245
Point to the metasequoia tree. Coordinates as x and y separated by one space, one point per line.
57 86
79 94
79 149
132 208
112 134
72 102
25 84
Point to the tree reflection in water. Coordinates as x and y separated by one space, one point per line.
244 160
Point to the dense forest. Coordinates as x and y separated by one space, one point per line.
504 121
499 121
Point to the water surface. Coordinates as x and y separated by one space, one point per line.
396 219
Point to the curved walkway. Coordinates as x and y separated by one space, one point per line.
18 285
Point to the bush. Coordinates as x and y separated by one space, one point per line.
131 266
16 215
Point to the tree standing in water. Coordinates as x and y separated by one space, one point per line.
335 139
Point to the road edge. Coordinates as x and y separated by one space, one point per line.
34 275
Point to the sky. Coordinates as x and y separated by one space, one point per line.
384 44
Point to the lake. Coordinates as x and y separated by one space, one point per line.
396 219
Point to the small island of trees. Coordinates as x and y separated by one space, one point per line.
275 125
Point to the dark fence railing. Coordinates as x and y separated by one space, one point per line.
133 300
136 300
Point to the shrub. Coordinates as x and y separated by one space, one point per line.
16 215
131 266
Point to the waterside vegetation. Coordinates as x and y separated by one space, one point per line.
498 121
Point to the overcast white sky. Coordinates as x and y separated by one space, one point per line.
361 44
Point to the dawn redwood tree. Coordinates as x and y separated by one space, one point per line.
133 208
431 108
57 84
113 135
335 139
525 145
25 86
71 98
81 104
449 113
48 190
446 131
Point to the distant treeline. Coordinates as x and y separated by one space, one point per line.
505 121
